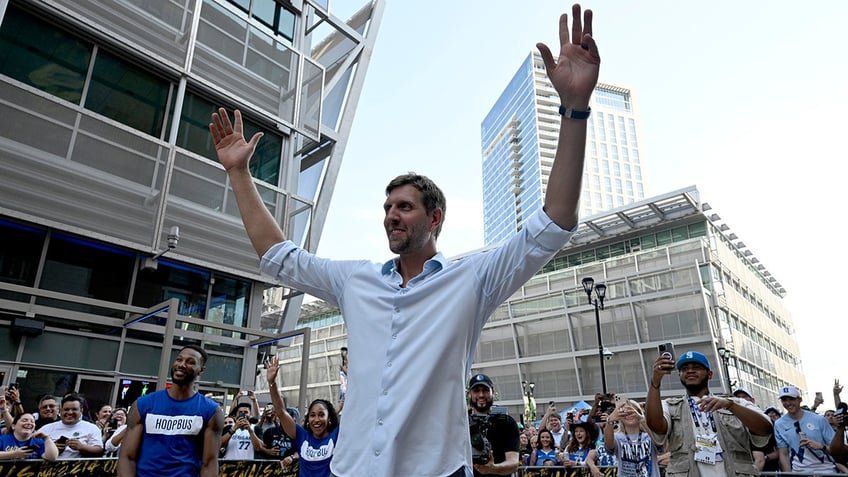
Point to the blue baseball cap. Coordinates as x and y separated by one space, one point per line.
693 357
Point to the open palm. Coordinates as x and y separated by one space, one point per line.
233 151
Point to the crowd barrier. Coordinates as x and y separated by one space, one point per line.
109 468
529 471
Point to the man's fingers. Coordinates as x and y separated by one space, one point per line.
547 57
576 27
587 22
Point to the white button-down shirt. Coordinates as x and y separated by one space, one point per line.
411 348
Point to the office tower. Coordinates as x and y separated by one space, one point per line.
120 239
519 139
674 272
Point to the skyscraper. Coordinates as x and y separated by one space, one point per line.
519 138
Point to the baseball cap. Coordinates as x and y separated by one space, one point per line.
742 391
693 357
788 391
480 379
771 409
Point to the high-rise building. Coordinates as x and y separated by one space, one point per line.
519 138
674 272
120 239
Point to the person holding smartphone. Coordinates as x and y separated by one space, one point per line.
803 437
237 440
24 442
706 434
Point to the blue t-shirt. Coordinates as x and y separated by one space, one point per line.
172 443
8 443
816 428
315 454
542 456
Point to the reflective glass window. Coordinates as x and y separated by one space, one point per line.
172 280
229 302
38 54
20 252
127 94
87 269
194 136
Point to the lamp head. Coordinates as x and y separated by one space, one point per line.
588 285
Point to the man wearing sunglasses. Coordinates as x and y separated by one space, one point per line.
802 437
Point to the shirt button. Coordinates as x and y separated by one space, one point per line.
376 452
385 393
394 336
389 364
380 422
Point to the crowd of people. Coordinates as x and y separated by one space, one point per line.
699 433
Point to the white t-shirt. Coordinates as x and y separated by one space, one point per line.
86 432
239 447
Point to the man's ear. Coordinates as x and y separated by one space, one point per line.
709 375
436 218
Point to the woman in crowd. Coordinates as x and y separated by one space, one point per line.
24 443
524 450
546 453
114 432
316 438
632 444
582 441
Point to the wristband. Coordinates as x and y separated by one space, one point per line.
574 114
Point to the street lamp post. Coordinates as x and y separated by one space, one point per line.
529 402
725 352
598 301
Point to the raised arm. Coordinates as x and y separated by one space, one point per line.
286 421
574 75
234 154
654 417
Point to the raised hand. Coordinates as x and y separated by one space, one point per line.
233 150
271 369
575 72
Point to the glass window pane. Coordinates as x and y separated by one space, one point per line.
229 303
86 269
20 252
127 94
194 126
36 53
173 280
265 163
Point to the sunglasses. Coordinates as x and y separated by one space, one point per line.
797 427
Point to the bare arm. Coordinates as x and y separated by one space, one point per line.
51 452
837 445
653 406
234 154
128 457
785 466
211 444
286 422
573 75
756 422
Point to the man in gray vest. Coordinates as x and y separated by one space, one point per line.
707 435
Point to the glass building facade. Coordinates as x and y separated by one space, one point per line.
106 149
519 137
674 273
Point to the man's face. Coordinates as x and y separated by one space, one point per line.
773 415
48 409
71 412
187 367
745 396
408 226
829 416
481 398
790 404
694 377
554 423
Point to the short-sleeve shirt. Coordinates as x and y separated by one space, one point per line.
84 431
503 436
636 455
9 443
804 459
315 453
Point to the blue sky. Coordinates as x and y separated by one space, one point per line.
746 100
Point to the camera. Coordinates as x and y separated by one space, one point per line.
481 448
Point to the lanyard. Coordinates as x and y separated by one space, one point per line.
697 417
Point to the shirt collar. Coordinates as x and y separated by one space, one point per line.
438 262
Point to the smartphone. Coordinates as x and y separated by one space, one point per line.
802 435
620 400
244 393
551 403
62 440
819 396
242 414
13 385
666 350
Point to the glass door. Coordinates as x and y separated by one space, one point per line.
97 390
